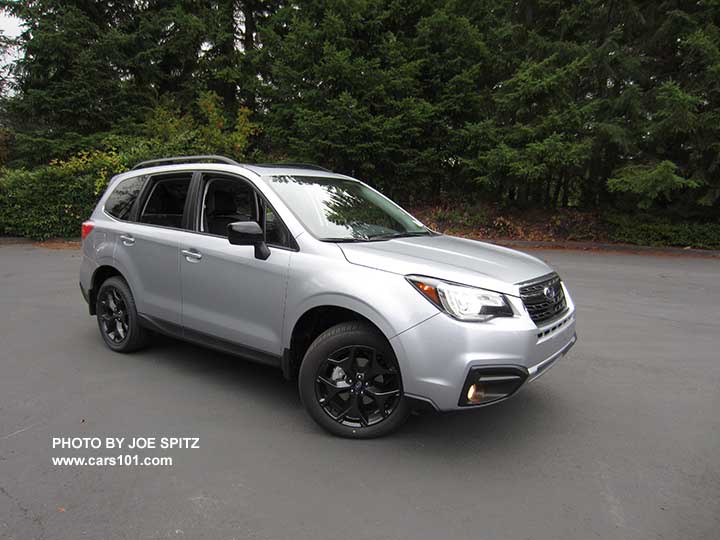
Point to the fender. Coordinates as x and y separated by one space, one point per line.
127 267
338 300
119 266
385 299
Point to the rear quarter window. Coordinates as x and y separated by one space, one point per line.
120 202
166 202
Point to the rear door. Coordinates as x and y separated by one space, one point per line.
228 293
147 246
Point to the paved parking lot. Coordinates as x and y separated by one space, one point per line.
620 440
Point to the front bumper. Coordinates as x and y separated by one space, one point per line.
438 357
86 294
538 369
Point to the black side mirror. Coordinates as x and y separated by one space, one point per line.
249 233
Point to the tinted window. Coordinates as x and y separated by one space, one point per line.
225 202
166 201
276 234
120 202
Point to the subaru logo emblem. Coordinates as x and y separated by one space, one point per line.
549 293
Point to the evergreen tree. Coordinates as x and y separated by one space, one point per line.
541 102
69 83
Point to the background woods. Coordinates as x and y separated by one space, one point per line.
467 110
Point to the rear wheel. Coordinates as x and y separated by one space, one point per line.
117 317
350 382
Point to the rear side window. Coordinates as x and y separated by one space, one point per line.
120 202
166 202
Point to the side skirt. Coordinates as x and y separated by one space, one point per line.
205 340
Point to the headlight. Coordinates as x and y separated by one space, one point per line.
461 302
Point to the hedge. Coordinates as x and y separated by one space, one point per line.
648 230
44 203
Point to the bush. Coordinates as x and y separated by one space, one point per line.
652 231
44 203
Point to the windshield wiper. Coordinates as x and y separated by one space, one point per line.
344 240
408 234
379 237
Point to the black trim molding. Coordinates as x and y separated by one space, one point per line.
205 340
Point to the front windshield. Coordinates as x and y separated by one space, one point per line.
343 210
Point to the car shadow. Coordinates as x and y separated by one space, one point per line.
535 412
217 368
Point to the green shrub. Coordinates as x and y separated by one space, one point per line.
650 183
44 203
652 231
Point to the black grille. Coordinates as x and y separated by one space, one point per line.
544 299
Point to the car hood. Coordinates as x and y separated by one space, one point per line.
450 258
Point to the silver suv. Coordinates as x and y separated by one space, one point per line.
322 276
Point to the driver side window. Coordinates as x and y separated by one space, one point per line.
226 201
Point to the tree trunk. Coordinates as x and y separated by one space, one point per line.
546 197
250 10
566 194
556 193
227 89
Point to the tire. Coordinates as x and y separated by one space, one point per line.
350 382
119 325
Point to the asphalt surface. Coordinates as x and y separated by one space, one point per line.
620 440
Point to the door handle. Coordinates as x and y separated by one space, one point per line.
127 239
191 255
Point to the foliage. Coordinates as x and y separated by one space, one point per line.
553 104
44 203
650 183
447 217
91 68
494 222
649 230
485 221
52 200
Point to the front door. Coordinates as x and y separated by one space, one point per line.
226 292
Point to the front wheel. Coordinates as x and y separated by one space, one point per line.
350 382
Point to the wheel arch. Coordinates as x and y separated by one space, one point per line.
100 275
314 320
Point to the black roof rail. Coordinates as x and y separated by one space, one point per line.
293 165
183 159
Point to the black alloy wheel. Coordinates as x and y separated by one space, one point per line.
113 315
356 387
350 382
117 317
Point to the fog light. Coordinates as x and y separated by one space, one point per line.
476 393
487 384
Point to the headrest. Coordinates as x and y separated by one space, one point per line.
224 203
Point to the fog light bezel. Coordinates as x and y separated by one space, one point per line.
506 381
